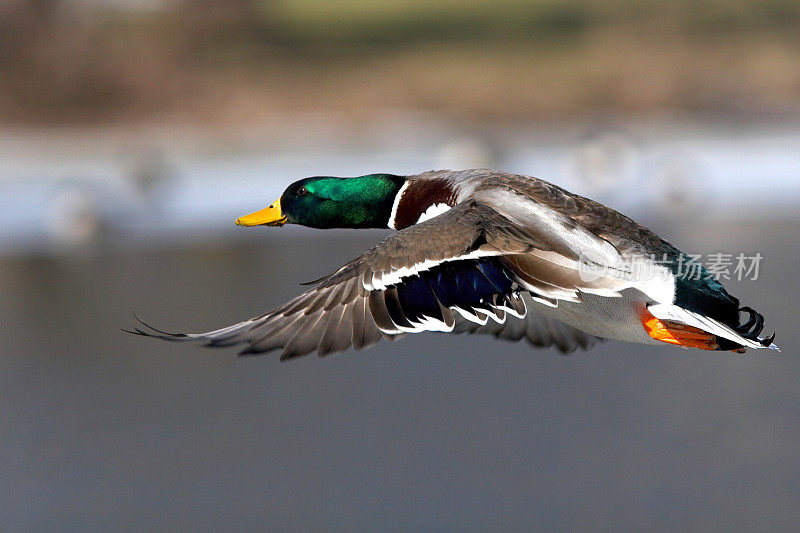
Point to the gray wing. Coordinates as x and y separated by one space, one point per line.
625 234
359 304
576 253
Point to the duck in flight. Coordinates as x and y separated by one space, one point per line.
483 251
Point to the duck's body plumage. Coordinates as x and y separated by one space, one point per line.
489 252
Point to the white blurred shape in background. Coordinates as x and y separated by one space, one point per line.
147 188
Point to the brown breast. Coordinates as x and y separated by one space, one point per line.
419 196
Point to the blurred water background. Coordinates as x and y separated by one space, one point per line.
133 133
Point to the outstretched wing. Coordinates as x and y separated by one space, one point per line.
423 278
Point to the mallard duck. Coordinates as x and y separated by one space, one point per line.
483 251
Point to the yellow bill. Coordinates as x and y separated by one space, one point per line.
269 216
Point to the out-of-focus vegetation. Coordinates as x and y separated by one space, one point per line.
63 60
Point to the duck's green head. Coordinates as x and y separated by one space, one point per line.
328 202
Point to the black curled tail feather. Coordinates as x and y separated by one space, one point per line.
704 294
752 328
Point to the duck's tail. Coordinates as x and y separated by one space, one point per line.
745 333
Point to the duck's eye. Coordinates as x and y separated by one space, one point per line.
302 191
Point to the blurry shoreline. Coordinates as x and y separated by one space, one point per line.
252 61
